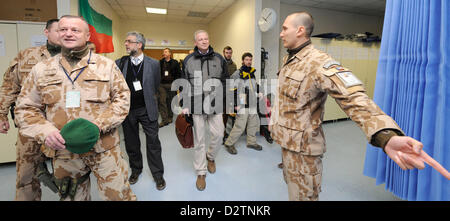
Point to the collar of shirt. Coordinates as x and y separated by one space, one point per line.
202 53
137 60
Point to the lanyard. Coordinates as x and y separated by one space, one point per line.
79 73
139 69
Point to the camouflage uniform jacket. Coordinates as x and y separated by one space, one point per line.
104 99
303 84
15 76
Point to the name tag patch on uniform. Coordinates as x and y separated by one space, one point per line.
32 61
166 73
348 79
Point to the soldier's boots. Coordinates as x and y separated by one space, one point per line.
255 147
201 182
231 149
211 166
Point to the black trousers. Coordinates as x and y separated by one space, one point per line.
133 143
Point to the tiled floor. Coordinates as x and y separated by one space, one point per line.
248 176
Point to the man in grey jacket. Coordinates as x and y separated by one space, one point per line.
206 72
143 77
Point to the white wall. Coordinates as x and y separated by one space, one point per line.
270 41
236 27
333 21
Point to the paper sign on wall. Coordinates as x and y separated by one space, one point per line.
165 42
2 45
181 42
38 40
149 42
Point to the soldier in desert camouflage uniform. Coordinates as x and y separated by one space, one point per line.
28 155
78 84
305 79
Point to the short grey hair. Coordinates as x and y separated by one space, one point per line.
139 37
198 32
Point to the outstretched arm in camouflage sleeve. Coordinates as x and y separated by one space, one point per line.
120 103
348 92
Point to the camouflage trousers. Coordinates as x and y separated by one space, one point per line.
110 169
303 175
28 157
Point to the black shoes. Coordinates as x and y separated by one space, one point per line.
160 183
133 178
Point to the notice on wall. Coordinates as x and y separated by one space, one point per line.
38 40
165 42
149 42
181 42
2 45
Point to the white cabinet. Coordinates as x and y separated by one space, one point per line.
15 37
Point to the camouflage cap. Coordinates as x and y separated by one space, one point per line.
80 135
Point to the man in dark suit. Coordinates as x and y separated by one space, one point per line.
143 77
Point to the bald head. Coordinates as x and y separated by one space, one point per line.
303 19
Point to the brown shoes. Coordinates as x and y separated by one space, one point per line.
201 182
255 147
211 166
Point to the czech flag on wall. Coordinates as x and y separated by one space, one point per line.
99 26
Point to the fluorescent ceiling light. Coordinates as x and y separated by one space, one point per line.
162 11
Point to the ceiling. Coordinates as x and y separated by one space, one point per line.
177 10
365 7
182 10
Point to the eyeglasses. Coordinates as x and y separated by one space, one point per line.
128 41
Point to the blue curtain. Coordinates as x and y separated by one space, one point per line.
413 87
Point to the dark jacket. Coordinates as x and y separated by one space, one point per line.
197 69
245 83
150 85
173 67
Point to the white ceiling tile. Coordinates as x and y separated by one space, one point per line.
202 8
133 9
207 2
187 2
225 3
179 6
177 12
131 2
156 4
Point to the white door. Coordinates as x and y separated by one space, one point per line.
31 35
8 50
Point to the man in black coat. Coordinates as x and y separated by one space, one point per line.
143 76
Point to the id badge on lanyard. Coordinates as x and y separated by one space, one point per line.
136 83
73 97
